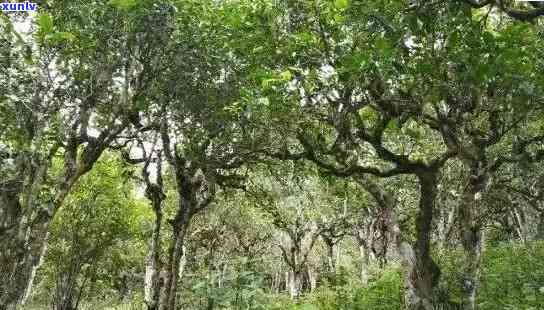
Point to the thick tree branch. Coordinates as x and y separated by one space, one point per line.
520 15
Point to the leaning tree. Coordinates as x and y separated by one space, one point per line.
196 125
69 91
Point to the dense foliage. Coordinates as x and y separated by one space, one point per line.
286 154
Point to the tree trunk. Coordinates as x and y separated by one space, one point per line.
168 298
153 281
423 273
65 292
540 227
445 226
176 254
36 260
312 279
472 233
22 246
295 283
409 263
24 223
12 251
276 282
365 264
331 259
288 281
363 236
520 223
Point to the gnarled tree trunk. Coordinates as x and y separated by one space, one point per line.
22 246
19 261
423 273
23 235
153 281
331 259
471 232
172 269
365 264
295 283
363 236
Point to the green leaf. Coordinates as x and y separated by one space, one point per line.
341 4
286 75
305 37
45 22
266 83
339 18
62 36
123 4
355 62
393 125
382 44
369 114
414 133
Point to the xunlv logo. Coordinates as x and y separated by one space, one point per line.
19 7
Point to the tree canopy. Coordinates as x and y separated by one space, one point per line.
309 154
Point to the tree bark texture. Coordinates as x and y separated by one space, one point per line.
472 232
176 252
421 272
153 281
